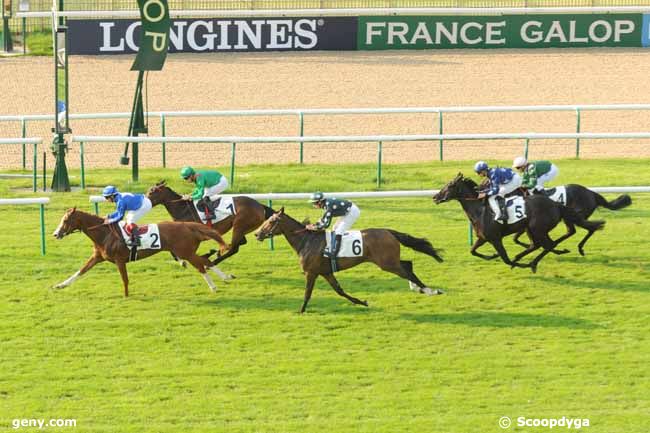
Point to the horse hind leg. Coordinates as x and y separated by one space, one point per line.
339 291
201 264
415 283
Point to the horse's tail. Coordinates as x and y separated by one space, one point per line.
571 216
618 203
418 244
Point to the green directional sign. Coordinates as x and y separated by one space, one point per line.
154 39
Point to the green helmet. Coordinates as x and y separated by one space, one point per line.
316 197
187 172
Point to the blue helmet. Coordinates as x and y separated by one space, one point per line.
480 166
109 191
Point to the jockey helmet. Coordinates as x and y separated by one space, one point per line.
519 162
187 172
480 166
109 191
316 197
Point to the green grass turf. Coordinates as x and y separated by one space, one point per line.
571 340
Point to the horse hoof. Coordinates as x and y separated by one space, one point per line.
581 251
413 286
364 303
58 286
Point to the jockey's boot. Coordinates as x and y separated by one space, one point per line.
503 212
209 208
335 247
134 238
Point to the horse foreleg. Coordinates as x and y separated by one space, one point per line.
218 272
237 240
310 279
337 288
518 242
121 266
92 261
498 245
202 264
548 244
477 244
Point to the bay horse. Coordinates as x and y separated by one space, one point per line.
585 201
542 216
250 214
180 238
380 246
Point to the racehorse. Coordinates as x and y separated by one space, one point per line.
180 238
249 215
585 201
542 216
380 246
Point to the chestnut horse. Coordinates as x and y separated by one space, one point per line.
380 246
181 239
249 215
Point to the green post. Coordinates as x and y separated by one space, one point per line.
302 132
23 125
24 36
526 148
35 168
42 212
83 170
233 150
470 234
440 132
44 171
164 143
271 239
577 131
96 208
379 165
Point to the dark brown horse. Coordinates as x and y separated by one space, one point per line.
181 239
249 215
380 246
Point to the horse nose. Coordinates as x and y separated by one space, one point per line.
258 236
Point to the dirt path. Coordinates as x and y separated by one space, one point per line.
337 80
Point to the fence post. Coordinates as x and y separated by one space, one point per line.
164 143
379 165
35 169
440 132
42 212
232 164
526 148
83 171
271 238
24 36
577 131
302 132
24 129
44 171
96 208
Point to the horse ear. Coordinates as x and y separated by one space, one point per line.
281 211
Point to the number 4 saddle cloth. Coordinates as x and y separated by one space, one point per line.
351 243
149 236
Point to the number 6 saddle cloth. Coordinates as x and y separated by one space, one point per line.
224 209
351 243
149 236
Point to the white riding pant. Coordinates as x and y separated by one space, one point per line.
345 222
133 216
552 174
504 190
214 191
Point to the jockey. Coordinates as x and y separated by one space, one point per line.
334 208
535 173
135 206
503 181
209 183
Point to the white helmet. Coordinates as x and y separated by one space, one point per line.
519 162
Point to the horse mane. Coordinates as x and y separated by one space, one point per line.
469 183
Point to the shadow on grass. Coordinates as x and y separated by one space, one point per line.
502 320
624 286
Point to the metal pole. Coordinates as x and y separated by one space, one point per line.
24 128
24 37
379 165
271 239
440 132
164 143
83 170
526 148
42 212
302 131
577 130
35 169
44 171
233 149
96 208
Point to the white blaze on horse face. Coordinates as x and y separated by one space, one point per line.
58 229
208 280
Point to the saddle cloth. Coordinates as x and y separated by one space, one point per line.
515 207
351 243
149 236
224 209
557 194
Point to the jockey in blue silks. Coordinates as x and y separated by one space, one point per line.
131 206
503 181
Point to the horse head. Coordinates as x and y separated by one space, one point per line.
270 226
459 188
70 222
161 193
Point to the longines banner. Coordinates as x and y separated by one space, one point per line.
218 35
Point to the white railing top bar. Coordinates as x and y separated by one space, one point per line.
334 111
387 194
360 138
37 200
21 140
217 13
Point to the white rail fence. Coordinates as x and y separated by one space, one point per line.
41 201
81 139
24 142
